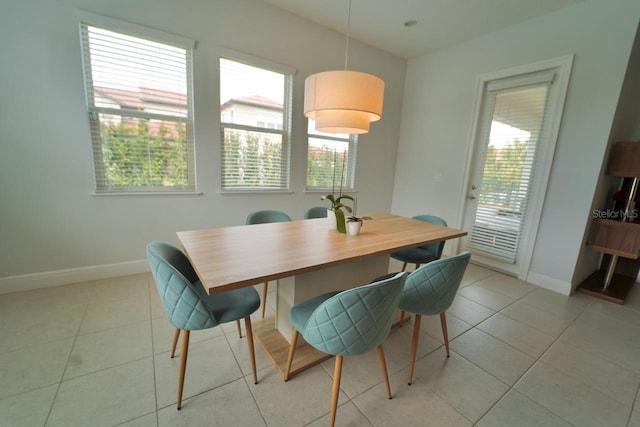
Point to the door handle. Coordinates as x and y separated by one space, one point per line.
471 197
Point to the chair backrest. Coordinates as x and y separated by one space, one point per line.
435 248
431 288
357 320
178 287
315 212
265 216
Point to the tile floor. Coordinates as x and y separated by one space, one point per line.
96 354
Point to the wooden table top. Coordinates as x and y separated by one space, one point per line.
233 257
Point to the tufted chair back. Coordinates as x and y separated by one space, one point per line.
179 288
357 320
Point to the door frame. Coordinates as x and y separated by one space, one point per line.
562 65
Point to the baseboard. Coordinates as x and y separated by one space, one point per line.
549 283
27 282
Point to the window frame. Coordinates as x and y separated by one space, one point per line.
128 29
285 132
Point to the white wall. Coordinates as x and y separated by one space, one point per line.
438 108
49 219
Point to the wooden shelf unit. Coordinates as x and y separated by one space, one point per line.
618 239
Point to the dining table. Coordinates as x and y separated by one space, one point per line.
306 258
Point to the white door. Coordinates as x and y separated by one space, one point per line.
514 142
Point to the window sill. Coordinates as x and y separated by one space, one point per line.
146 193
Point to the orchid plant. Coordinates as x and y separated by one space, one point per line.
337 205
354 215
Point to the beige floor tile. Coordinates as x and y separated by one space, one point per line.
541 320
210 364
506 285
297 402
228 405
470 390
111 314
608 338
107 397
588 376
109 348
515 409
360 373
488 298
597 372
34 367
414 405
116 289
36 325
150 420
474 273
240 350
499 359
455 327
571 399
163 335
617 312
28 409
524 338
554 303
397 346
469 311
347 416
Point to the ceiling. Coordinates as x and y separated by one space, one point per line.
440 23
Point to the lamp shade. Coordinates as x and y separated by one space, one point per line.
343 101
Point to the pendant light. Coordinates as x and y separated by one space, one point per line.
343 101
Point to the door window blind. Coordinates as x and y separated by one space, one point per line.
515 111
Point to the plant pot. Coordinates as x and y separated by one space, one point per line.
353 227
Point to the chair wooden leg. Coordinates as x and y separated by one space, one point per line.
445 334
239 328
176 334
414 345
337 375
417 267
265 288
292 349
383 368
183 365
252 353
404 266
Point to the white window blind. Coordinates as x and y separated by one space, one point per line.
140 107
255 106
331 160
515 111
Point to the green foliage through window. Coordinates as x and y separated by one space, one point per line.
142 154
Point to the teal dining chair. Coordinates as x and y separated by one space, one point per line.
347 323
188 306
263 217
430 290
315 212
421 254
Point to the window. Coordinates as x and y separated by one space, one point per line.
331 160
255 106
140 107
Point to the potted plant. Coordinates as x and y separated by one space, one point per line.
354 222
337 205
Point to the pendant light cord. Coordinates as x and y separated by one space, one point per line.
346 50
